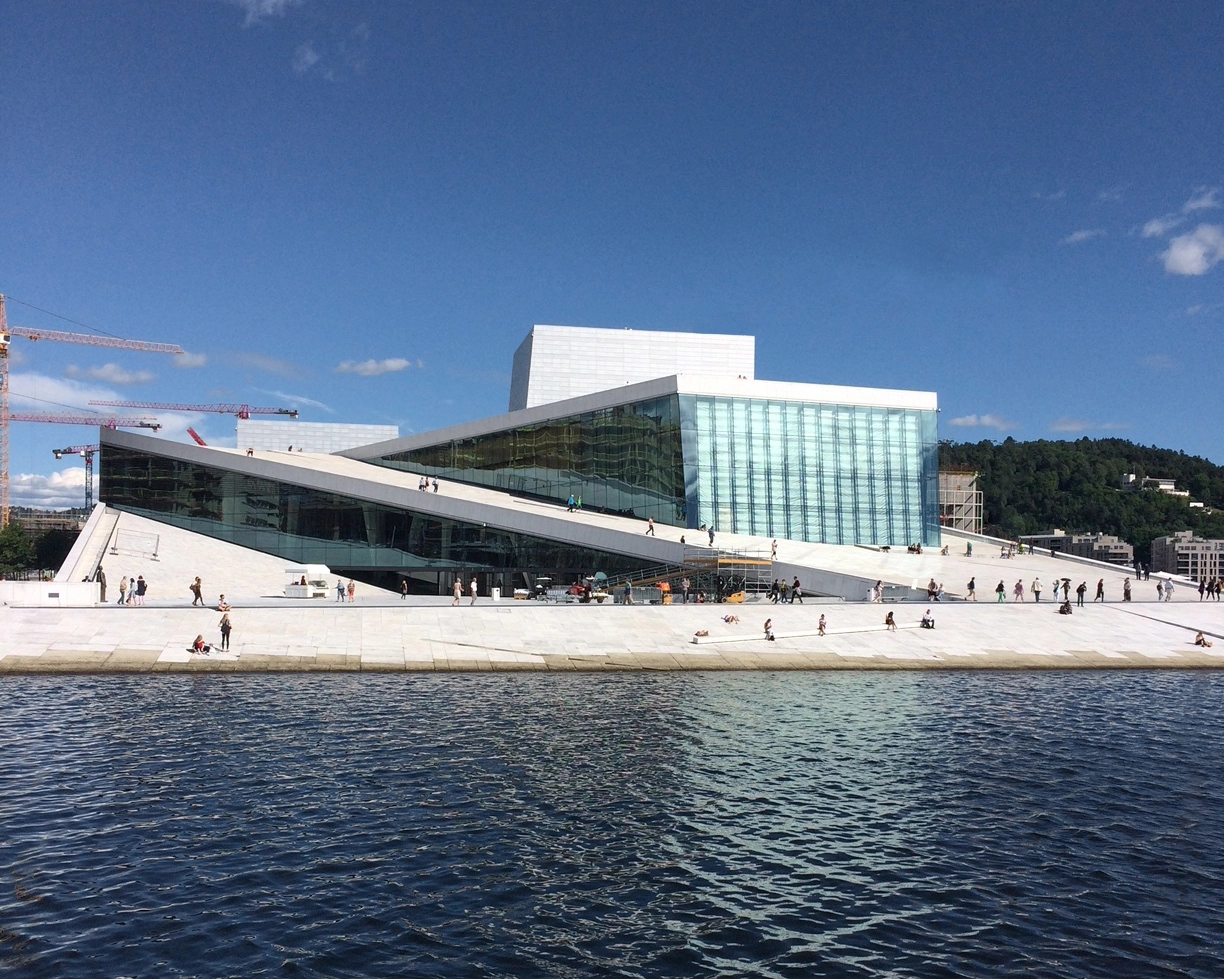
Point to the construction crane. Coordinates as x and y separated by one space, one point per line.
88 451
6 335
242 411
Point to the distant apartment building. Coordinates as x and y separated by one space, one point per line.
1133 484
1189 556
35 521
960 501
1099 547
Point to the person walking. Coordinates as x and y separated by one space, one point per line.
650 526
1168 591
684 588
352 589
773 549
403 588
971 590
570 503
628 600
123 586
1126 590
141 588
226 628
457 591
435 484
1018 591
1159 590
796 591
820 626
1100 592
339 590
197 589
711 533
1001 592
1080 592
1035 587
472 590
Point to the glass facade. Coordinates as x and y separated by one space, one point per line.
627 460
362 539
838 474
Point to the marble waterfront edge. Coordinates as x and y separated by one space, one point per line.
516 637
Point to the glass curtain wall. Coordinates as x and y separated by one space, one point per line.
836 474
626 460
313 526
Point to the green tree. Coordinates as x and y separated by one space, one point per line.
16 549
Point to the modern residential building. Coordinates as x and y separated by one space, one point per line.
719 452
1133 484
1191 557
1099 547
35 521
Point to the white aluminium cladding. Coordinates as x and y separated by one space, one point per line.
685 384
557 363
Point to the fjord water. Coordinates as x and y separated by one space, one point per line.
675 824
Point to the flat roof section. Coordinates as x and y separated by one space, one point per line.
700 385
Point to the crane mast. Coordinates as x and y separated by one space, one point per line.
6 338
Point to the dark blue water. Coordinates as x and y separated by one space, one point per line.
900 824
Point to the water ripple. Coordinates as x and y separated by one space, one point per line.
892 825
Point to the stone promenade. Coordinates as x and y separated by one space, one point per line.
430 634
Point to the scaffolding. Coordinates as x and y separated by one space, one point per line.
960 501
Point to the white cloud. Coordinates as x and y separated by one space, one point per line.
1086 235
1199 309
1159 362
187 361
272 365
1196 251
111 374
1056 195
297 401
58 491
1159 227
1073 425
1204 199
1112 195
373 368
37 392
982 421
304 58
257 10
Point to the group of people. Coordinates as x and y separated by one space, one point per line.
935 592
457 590
131 591
575 503
780 591
424 484
350 590
1211 589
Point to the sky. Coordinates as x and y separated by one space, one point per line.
360 209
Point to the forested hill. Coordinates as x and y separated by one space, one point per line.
1029 487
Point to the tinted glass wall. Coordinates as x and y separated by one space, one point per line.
626 459
307 525
837 474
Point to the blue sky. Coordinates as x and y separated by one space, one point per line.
361 208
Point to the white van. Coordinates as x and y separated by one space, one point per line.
307 581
